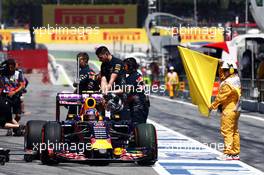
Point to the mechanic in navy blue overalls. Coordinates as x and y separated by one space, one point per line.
112 70
137 100
112 79
87 80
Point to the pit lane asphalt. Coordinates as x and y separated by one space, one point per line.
187 120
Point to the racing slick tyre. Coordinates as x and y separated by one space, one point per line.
145 136
32 138
51 137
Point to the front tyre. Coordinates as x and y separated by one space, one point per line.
145 136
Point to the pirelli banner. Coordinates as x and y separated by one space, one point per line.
90 36
102 16
194 34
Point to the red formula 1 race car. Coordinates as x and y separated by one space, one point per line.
100 132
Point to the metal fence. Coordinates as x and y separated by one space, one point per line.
253 89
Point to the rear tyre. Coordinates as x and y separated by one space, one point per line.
51 137
32 138
145 136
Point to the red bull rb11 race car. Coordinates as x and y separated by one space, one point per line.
99 132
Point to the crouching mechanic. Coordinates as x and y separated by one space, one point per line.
137 101
6 120
15 82
228 99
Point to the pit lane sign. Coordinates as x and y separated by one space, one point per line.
102 16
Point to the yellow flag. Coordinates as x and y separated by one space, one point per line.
200 70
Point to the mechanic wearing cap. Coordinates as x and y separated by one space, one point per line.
137 101
112 70
172 80
228 100
87 75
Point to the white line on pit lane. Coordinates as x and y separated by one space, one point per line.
162 171
192 105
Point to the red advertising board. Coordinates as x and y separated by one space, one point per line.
30 59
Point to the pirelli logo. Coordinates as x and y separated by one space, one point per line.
89 16
69 37
120 36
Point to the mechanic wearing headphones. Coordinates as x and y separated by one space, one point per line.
228 100
112 70
137 101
